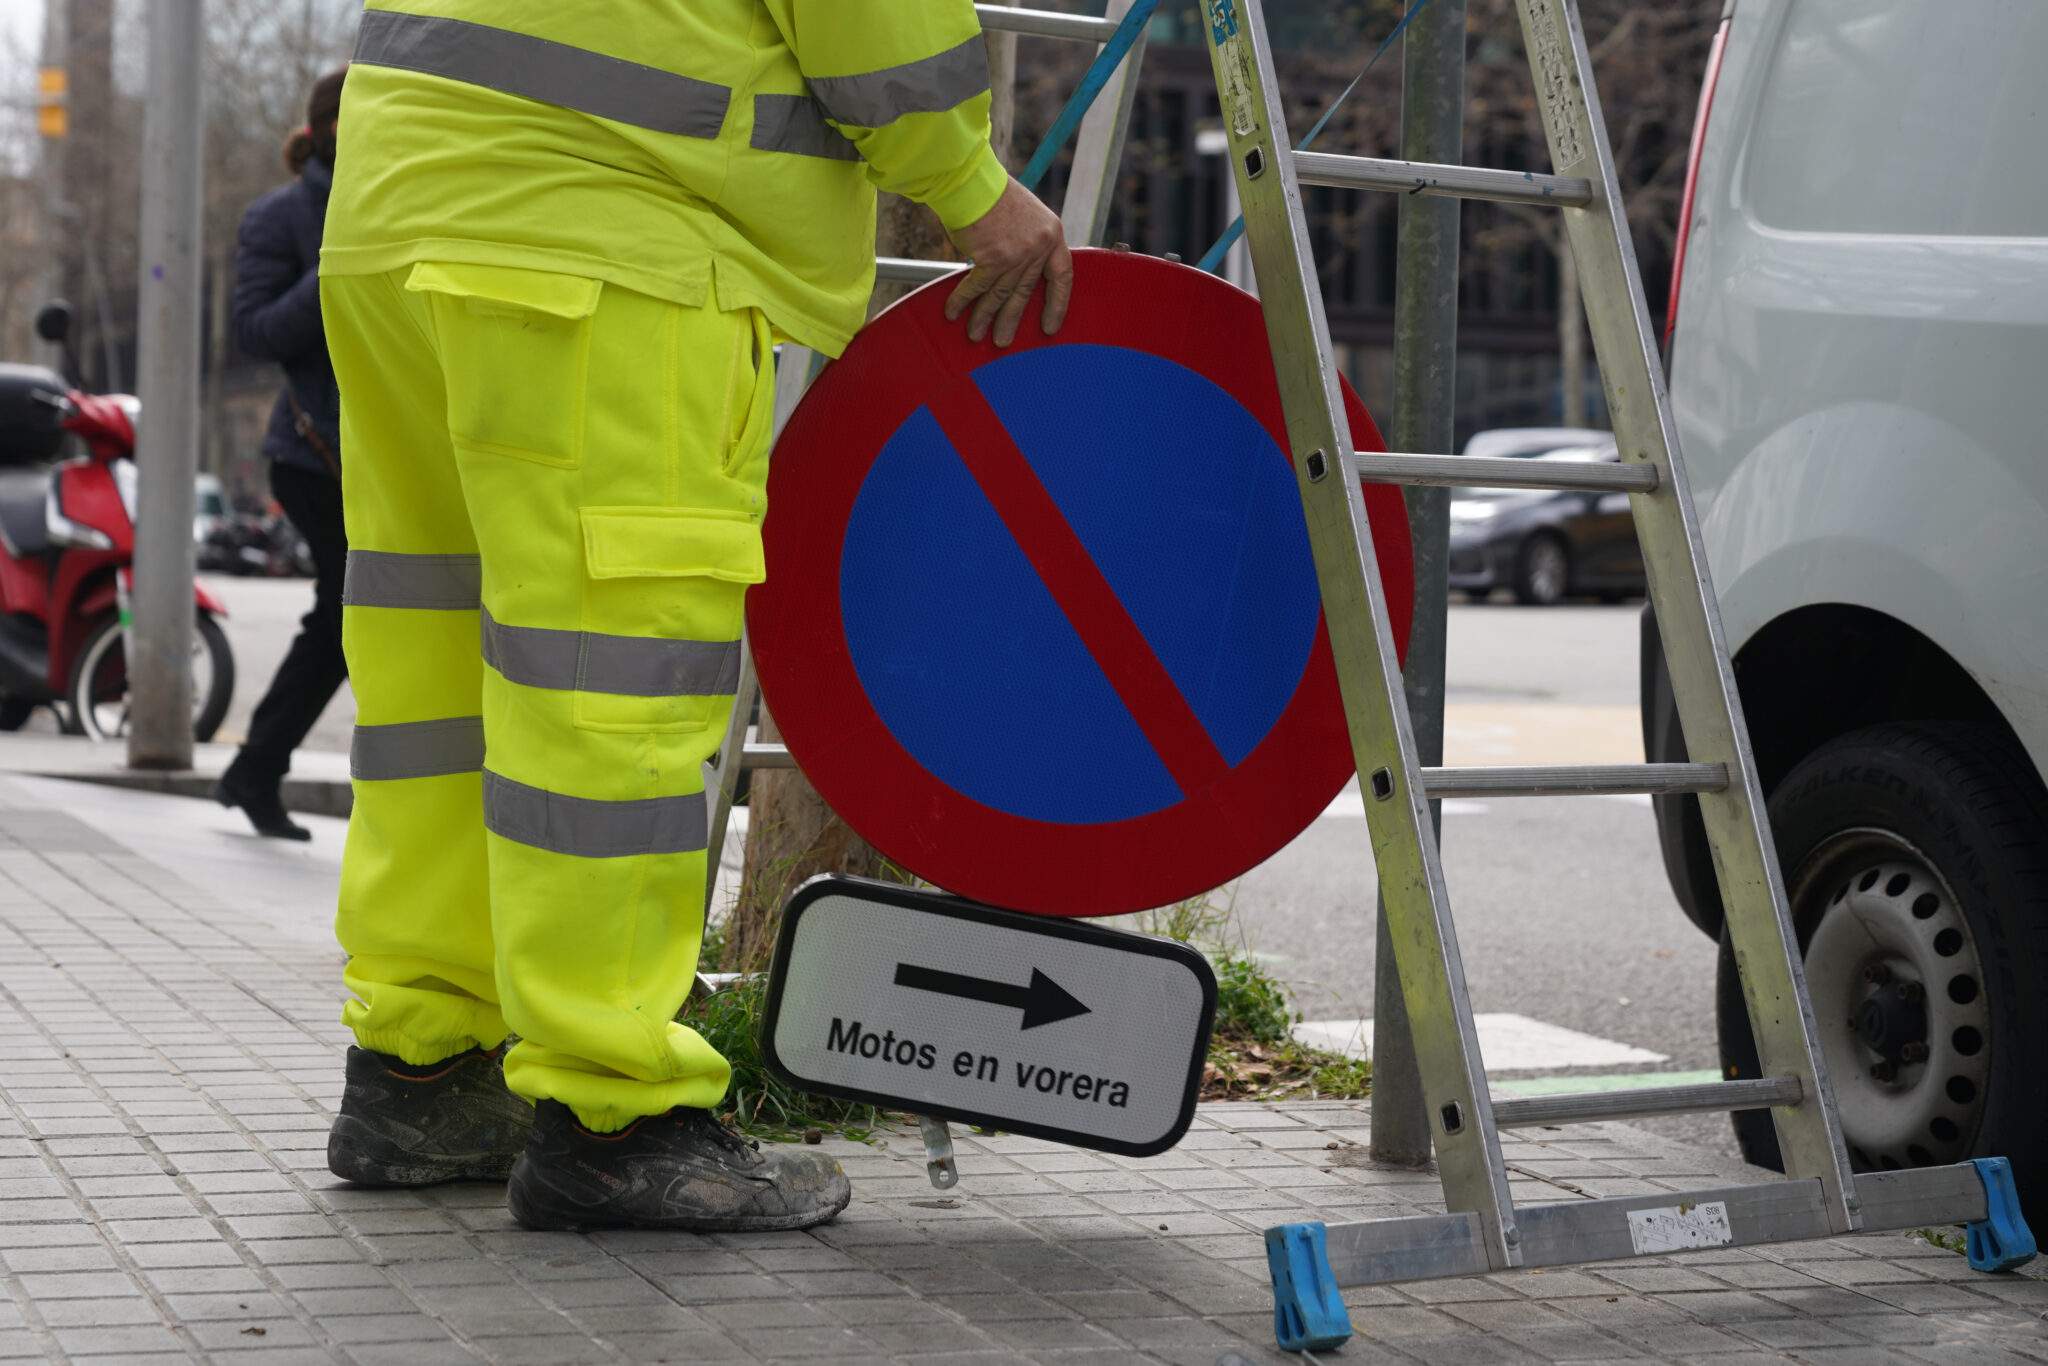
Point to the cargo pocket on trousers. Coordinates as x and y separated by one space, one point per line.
753 399
515 355
663 594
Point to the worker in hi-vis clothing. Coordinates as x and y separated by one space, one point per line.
564 238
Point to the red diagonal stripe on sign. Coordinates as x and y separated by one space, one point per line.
1076 583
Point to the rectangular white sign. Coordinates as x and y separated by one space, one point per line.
1034 1025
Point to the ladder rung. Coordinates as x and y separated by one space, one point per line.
766 756
1584 780
1506 472
908 270
1046 23
1433 178
1756 1094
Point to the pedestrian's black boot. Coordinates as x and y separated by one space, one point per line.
261 804
414 1126
682 1170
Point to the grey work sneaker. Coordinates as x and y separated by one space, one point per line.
681 1170
415 1126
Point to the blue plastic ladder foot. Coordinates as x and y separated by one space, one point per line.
2000 1240
1308 1313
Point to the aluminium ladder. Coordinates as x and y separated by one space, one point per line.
1483 1229
1091 186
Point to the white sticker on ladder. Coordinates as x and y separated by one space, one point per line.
1675 1228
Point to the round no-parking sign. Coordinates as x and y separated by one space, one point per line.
1042 623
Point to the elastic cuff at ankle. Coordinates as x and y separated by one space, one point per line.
605 1121
413 1052
610 1121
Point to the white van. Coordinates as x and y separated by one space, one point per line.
1858 368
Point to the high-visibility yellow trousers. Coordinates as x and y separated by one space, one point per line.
554 493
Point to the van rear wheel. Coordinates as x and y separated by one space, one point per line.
1916 869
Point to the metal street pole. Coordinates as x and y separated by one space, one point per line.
160 641
1425 394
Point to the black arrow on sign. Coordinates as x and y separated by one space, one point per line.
1043 1002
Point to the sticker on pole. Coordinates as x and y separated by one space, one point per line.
921 1001
1042 624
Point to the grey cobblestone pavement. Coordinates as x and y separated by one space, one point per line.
170 1059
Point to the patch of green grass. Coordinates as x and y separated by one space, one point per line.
1948 1239
1251 1005
1201 921
760 1102
1253 1054
1240 1070
711 951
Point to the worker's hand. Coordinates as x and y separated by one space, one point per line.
1013 246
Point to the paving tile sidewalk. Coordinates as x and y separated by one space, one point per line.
170 1059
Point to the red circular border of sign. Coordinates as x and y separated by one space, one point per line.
807 675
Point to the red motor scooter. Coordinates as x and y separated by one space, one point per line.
67 539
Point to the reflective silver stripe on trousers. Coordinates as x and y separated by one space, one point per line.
544 70
629 666
586 828
795 123
378 578
417 749
931 85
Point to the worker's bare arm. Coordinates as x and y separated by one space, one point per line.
1013 246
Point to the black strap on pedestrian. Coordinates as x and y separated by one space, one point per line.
302 423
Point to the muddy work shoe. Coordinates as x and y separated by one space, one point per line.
452 1120
682 1170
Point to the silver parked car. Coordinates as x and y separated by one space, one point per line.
1861 328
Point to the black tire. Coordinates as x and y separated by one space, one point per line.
213 708
1963 801
1543 570
14 713
222 692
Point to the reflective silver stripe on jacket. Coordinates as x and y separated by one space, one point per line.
379 578
417 749
795 123
544 70
630 666
930 85
585 828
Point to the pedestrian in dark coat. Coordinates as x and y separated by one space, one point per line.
277 318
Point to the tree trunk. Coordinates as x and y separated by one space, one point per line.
1571 336
792 835
88 185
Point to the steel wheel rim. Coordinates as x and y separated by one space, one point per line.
1880 922
1547 570
108 719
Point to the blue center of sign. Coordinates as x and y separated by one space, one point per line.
1188 511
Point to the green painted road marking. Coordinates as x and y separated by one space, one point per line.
1610 1081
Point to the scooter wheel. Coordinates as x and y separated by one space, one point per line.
98 694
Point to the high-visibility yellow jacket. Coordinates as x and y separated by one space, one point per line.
681 148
